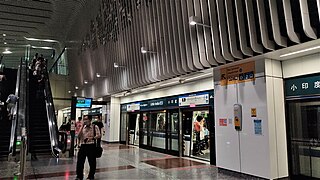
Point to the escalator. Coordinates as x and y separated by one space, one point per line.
7 86
42 121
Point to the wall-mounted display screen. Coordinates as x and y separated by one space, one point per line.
84 103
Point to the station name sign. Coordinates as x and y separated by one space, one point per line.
303 86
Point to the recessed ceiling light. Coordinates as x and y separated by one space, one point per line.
5 43
76 87
98 75
4 35
69 92
85 81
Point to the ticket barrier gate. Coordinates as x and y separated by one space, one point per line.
65 144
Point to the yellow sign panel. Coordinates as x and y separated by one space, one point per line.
253 112
237 74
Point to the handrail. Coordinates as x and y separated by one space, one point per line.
51 116
15 115
56 61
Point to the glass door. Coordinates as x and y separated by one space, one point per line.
157 130
304 138
132 136
144 130
200 144
173 132
123 128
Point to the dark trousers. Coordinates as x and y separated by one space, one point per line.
86 150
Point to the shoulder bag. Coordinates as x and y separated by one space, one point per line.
98 150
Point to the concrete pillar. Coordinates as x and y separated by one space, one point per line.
113 123
259 148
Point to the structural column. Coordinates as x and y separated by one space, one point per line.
250 119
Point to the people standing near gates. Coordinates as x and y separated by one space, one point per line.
87 147
78 127
99 123
198 127
11 100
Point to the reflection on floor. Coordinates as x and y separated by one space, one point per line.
120 162
169 163
205 156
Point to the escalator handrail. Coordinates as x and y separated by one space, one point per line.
15 117
51 116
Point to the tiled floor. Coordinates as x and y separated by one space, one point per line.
120 162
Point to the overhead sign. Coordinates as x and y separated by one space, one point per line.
173 101
237 74
124 108
133 107
303 86
194 99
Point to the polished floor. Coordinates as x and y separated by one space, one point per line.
121 162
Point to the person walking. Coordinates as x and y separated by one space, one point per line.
87 147
78 127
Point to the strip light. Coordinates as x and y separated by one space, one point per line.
44 40
197 77
148 88
41 47
301 51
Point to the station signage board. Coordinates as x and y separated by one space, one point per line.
194 99
173 101
133 107
237 74
123 108
303 86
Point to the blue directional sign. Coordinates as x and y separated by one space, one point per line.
303 86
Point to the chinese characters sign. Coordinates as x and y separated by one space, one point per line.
237 74
113 17
303 86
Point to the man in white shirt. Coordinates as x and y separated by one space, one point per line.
87 147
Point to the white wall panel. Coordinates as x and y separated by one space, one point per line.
254 149
227 138
301 66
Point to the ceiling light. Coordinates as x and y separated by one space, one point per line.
301 51
167 84
116 65
197 77
76 87
85 81
5 43
44 40
98 75
194 20
143 50
6 52
41 47
4 35
69 92
148 88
